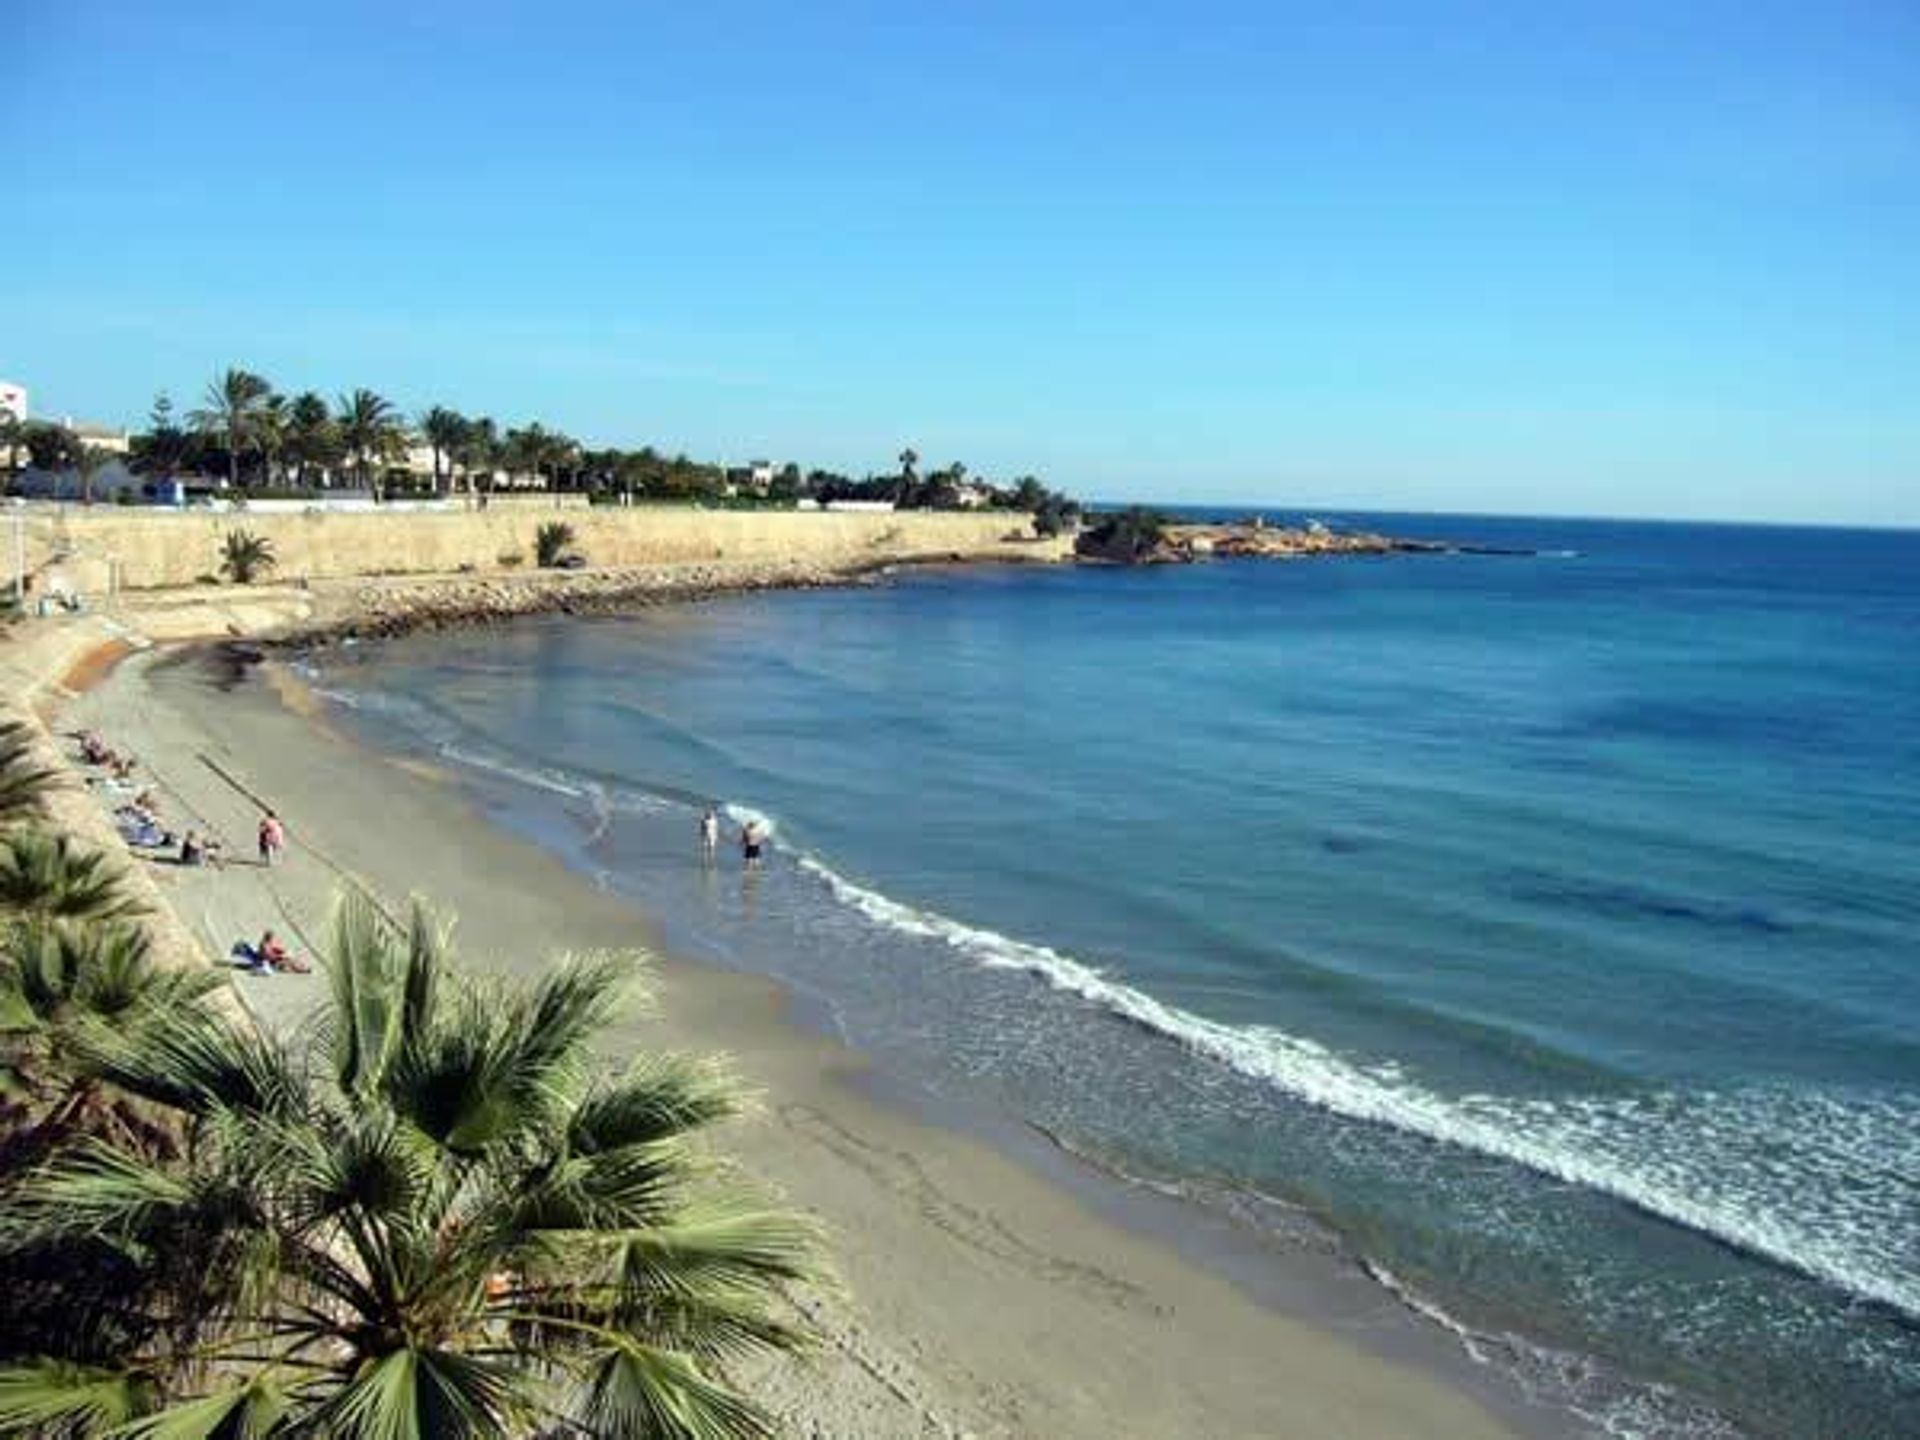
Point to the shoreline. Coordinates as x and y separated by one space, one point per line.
1115 1317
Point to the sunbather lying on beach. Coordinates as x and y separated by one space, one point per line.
269 956
140 826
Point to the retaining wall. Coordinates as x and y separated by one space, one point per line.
148 549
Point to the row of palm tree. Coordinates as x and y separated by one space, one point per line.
245 425
244 419
243 415
433 1211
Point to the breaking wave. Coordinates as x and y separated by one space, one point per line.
1818 1182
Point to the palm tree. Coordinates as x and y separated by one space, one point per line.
25 779
230 414
909 461
370 430
89 461
429 1215
245 555
312 439
271 428
530 449
444 430
63 987
479 450
46 876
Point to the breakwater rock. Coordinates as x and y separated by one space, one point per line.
375 608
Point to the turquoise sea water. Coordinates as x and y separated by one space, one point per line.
1549 927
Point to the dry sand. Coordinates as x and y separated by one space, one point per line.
978 1297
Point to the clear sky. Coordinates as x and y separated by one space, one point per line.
1618 258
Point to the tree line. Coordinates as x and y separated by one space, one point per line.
257 438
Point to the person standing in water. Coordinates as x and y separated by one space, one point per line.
710 832
752 839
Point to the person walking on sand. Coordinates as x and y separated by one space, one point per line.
273 837
710 832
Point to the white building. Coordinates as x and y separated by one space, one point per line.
13 400
101 437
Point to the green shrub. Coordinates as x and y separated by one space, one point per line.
245 556
553 544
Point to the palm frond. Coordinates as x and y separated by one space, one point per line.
92 1190
53 1397
426 958
361 971
25 780
658 1097
637 1392
200 1062
43 874
250 1411
614 1190
714 1245
424 1394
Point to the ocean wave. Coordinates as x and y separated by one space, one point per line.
1814 1182
745 815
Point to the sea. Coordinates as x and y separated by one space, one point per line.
1544 927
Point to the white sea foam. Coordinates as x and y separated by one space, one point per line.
744 815
1614 1406
1812 1181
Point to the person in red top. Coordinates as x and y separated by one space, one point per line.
273 837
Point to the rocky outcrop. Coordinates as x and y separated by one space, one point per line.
1275 542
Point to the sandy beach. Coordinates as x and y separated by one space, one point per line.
979 1295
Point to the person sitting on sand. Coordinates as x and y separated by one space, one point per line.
270 954
122 765
93 749
191 850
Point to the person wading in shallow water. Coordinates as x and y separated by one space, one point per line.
710 832
752 840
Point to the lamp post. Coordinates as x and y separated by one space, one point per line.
20 554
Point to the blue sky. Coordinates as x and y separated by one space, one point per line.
1657 259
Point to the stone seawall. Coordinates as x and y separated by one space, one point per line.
147 549
379 607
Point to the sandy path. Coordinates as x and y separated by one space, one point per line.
979 1298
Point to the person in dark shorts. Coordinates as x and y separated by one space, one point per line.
752 842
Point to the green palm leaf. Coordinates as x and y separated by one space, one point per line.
48 876
658 1097
52 1397
25 781
636 1392
251 1411
201 1062
428 1215
424 1395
